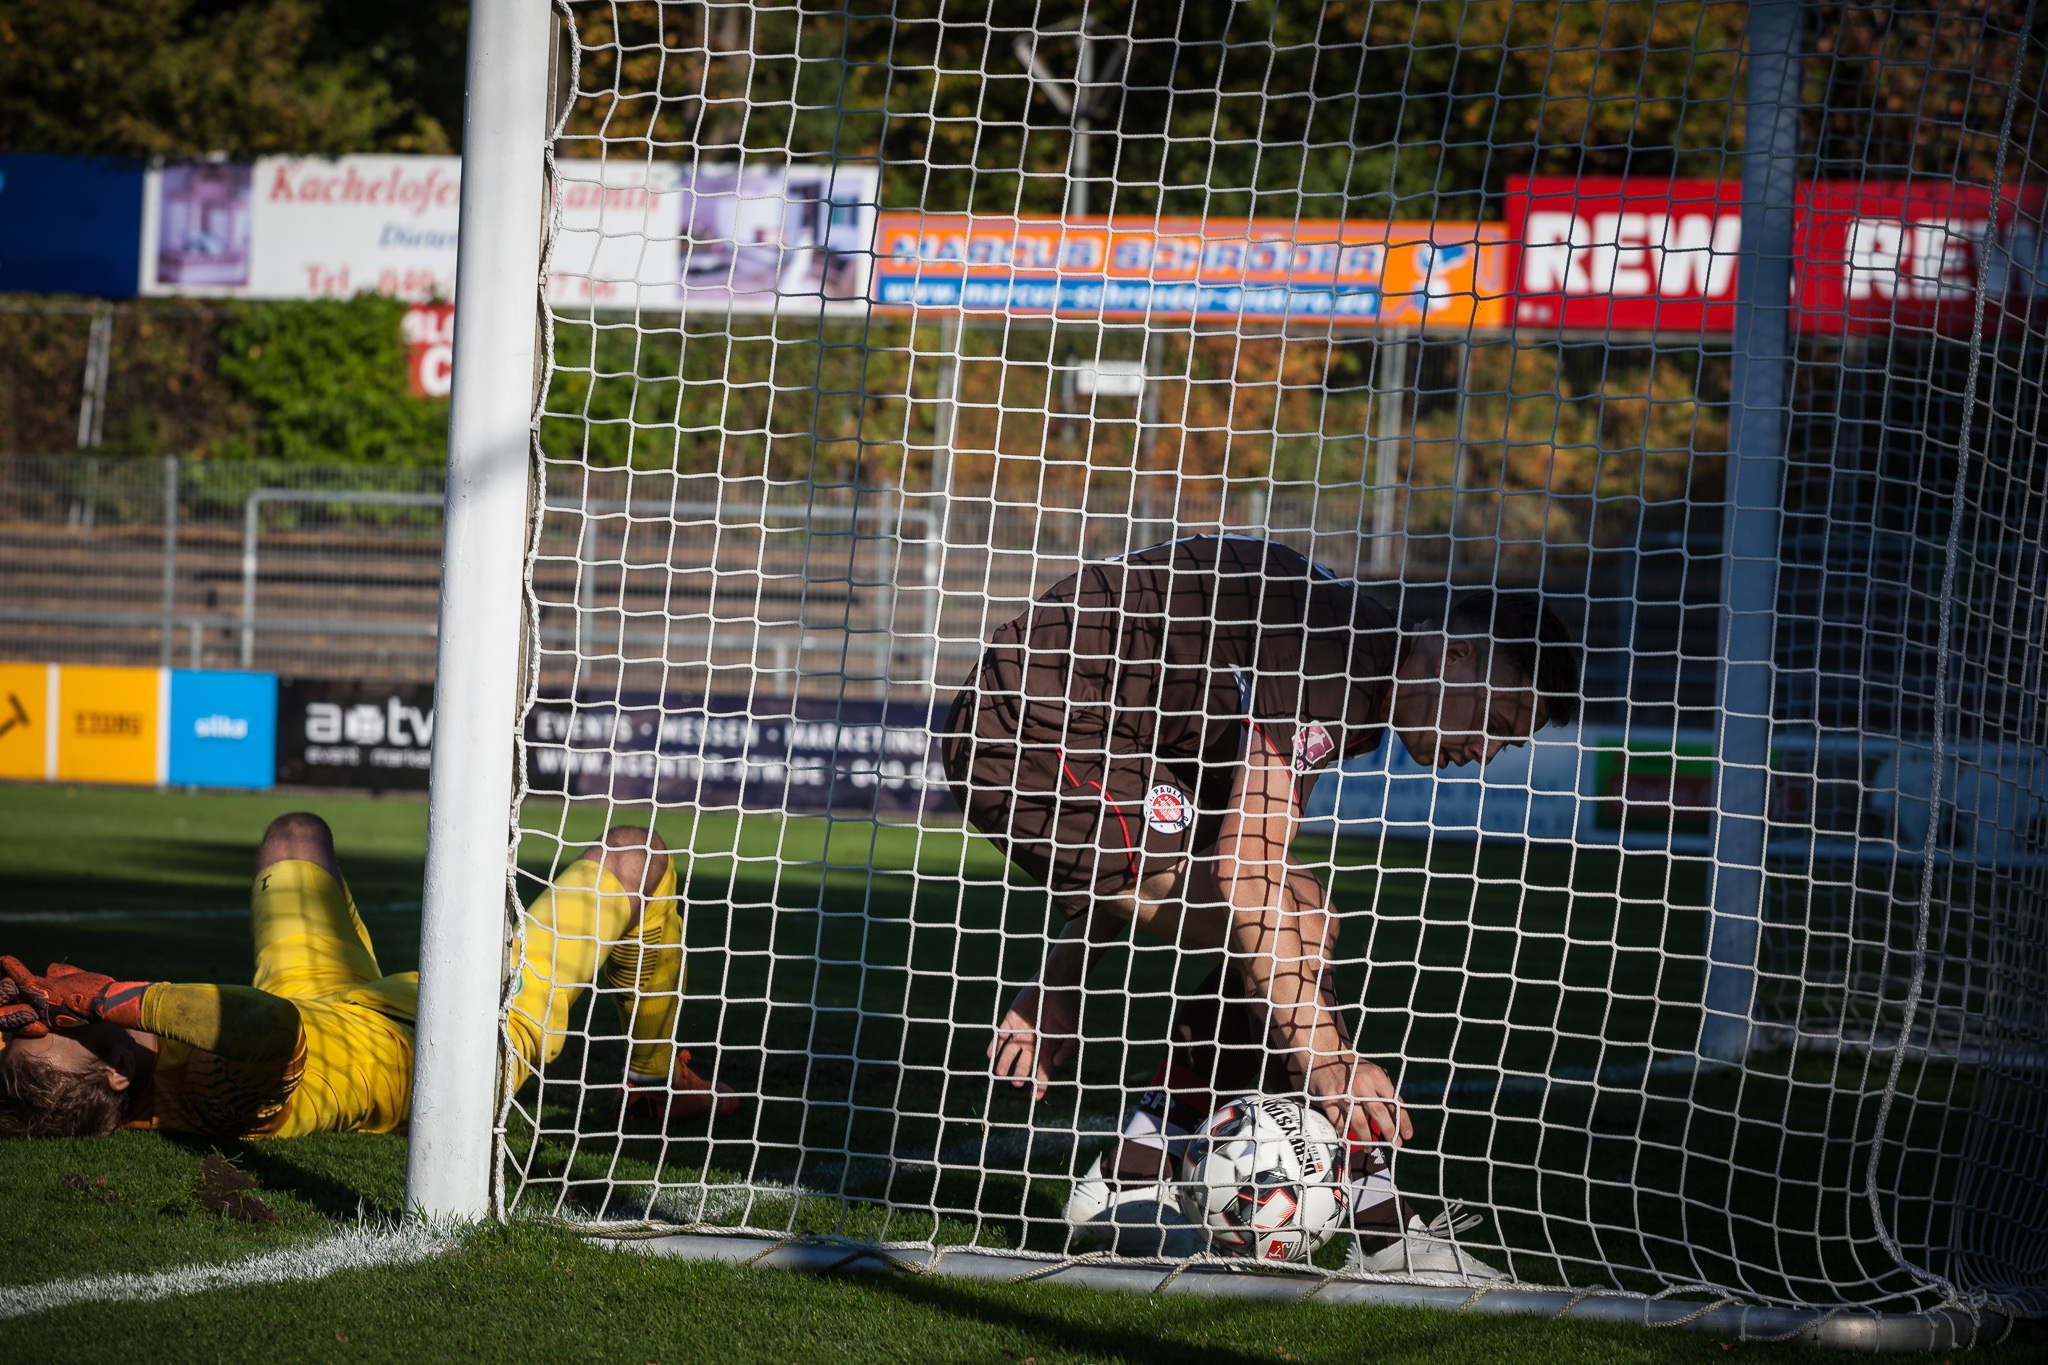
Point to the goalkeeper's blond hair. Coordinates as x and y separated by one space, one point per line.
41 1099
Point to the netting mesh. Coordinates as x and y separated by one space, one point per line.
1441 296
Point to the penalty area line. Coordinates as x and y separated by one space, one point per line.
233 912
359 1248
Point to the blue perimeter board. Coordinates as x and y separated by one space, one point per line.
70 225
223 729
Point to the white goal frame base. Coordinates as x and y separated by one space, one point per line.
1956 1328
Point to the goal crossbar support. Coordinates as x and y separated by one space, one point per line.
477 679
1943 1329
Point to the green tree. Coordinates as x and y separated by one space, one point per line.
1395 108
176 78
417 48
327 381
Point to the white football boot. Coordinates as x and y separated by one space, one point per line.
1129 1218
1426 1252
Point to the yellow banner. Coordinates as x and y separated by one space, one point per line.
24 720
107 722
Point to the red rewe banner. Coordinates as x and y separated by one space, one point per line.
1644 254
1883 256
1640 254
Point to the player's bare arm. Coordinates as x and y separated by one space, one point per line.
1038 1032
1181 906
1281 937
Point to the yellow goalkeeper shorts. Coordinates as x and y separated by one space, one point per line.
312 949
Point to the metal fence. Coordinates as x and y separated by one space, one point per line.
327 570
334 571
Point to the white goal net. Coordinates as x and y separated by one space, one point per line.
1720 328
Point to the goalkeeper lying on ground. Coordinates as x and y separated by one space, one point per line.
322 1042
1142 742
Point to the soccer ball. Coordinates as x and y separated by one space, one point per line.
1264 1179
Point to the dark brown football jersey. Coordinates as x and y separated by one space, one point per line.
1168 651
1106 721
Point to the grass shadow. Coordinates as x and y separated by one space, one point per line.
977 1308
305 1169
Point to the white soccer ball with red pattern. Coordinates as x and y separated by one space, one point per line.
1264 1179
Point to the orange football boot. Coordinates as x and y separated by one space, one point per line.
687 1098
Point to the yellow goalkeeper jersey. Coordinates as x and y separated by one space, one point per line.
345 1062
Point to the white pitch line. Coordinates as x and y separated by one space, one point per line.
238 912
357 1248
687 1204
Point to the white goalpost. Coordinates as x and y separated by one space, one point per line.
800 352
477 659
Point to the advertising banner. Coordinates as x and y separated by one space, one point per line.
1836 797
1879 255
620 244
1590 786
794 239
1637 254
69 224
634 234
27 745
222 729
1660 788
1650 254
354 734
1529 792
715 238
303 227
428 330
1401 274
740 752
108 724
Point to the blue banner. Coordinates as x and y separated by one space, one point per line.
1053 294
222 730
70 225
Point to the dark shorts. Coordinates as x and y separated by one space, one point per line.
1049 784
1217 1048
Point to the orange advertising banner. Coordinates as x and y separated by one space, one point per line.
1449 276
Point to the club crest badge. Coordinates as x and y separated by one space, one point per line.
1312 744
1167 810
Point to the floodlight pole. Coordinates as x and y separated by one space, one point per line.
1077 153
1758 392
1388 404
945 423
170 570
477 676
1077 99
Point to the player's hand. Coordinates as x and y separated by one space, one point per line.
71 997
1361 1102
1035 1019
17 1016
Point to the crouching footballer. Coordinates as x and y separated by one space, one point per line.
1142 743
322 1040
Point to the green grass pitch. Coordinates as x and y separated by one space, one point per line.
155 885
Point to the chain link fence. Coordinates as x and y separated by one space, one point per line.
327 570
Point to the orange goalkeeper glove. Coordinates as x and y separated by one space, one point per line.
17 1015
687 1098
71 997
